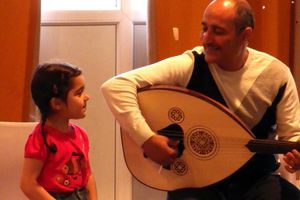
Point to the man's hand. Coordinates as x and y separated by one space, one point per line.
292 160
160 149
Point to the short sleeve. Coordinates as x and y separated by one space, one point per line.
35 147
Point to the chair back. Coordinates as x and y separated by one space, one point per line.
13 136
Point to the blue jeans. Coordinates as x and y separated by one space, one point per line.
79 194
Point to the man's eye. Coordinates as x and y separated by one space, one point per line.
219 31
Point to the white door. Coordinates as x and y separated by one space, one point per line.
96 40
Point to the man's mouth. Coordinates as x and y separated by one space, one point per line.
211 48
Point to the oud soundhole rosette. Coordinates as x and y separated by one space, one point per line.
179 167
175 114
202 143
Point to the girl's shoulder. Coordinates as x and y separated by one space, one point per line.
34 147
36 132
78 130
76 127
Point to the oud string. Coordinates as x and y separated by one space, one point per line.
160 168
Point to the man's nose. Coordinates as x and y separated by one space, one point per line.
206 37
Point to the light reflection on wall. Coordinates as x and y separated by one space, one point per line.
48 5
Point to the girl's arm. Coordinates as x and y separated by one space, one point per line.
91 188
29 185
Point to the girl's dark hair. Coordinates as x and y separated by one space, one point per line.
51 80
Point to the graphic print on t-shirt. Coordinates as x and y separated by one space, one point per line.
72 170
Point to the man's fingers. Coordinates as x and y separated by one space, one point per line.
173 143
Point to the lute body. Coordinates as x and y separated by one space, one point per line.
214 142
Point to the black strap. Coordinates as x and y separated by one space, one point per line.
202 80
260 164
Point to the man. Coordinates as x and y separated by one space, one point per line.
255 86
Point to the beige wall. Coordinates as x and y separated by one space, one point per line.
19 30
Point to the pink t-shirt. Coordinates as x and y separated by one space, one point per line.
69 167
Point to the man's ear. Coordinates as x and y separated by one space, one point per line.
247 33
56 104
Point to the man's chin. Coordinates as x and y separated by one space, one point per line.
210 58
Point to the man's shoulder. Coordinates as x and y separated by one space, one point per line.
261 54
198 49
269 64
265 58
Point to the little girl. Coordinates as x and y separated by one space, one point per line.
56 164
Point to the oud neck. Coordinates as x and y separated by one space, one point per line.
271 146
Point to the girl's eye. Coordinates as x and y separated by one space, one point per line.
79 92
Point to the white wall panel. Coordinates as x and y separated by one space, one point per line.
139 190
93 48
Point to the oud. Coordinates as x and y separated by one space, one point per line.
214 143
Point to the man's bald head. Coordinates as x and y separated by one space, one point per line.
243 12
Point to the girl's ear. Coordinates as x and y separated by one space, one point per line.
56 104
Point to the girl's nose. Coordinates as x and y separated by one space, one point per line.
87 97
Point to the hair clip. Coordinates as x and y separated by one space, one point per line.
55 89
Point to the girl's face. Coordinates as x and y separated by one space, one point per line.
75 107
